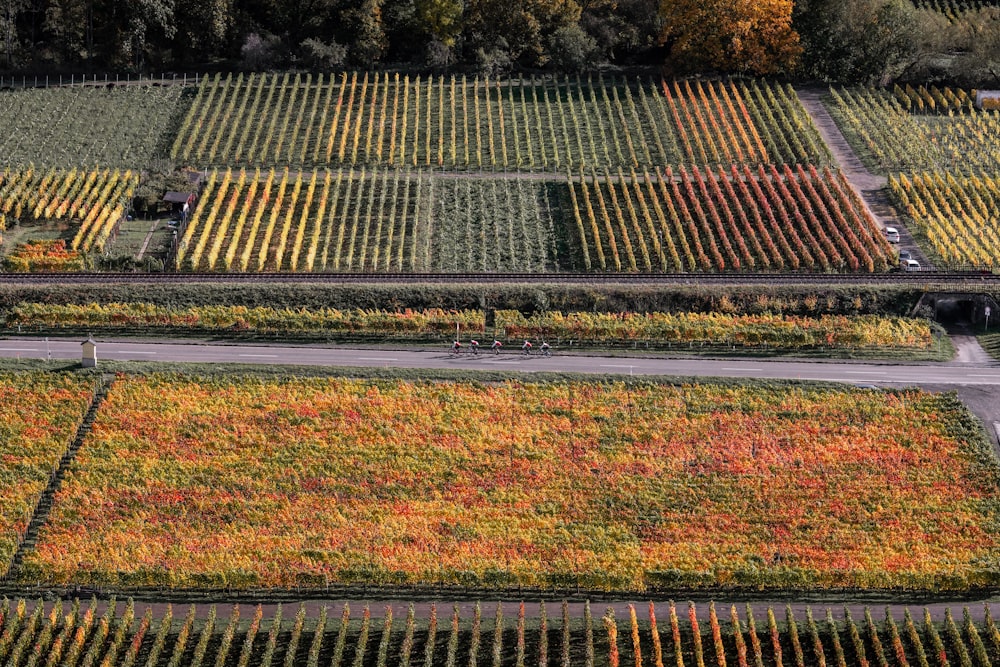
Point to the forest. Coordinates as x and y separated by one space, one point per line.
855 41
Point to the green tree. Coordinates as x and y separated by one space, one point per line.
70 25
370 42
10 10
441 19
857 40
203 28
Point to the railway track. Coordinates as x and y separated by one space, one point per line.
921 278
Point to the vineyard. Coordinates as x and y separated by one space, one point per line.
90 202
261 483
893 137
740 220
369 221
774 331
40 414
958 215
43 256
379 120
122 635
123 127
956 10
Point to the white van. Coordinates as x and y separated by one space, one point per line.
909 265
892 235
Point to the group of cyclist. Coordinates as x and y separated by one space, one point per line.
456 347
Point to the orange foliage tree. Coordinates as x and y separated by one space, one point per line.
753 36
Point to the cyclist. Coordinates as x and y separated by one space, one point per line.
474 346
545 349
456 347
526 348
496 346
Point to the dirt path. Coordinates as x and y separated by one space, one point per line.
871 187
145 242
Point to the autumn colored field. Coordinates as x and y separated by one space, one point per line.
252 483
39 414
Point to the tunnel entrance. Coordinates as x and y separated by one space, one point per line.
955 311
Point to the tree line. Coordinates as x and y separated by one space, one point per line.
844 40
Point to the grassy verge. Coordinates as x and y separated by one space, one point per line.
222 370
991 343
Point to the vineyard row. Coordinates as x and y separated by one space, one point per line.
801 219
883 130
790 220
71 633
95 200
382 119
957 213
122 127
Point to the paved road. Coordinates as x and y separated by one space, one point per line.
889 374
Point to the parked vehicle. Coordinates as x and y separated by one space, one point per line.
909 265
904 254
892 235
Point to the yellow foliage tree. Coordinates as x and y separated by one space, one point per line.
752 36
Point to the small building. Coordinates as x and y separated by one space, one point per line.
181 203
89 359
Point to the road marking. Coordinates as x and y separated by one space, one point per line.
512 361
261 356
865 373
377 359
741 369
19 349
616 366
973 375
130 352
